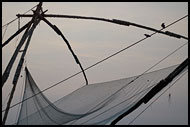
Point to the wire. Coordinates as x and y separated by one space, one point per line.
18 34
95 63
158 97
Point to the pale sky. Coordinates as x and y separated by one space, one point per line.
50 61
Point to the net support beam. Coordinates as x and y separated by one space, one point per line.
54 27
115 21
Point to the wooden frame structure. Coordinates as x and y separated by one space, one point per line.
39 15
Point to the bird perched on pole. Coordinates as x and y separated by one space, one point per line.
163 25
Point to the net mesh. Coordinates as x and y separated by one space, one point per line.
96 103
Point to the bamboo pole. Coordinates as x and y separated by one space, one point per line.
115 21
54 27
16 33
18 70
35 22
13 58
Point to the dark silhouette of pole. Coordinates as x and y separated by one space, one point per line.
115 21
18 70
54 27
16 33
35 21
13 58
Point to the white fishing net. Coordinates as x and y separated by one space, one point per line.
98 103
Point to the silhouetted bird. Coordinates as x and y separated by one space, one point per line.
146 35
163 25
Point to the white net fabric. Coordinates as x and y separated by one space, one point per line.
96 103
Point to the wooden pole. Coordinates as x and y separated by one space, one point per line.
18 32
18 70
34 20
115 21
54 27
13 58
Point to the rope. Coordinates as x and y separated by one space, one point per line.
4 32
18 34
18 23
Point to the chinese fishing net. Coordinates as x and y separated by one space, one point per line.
98 103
